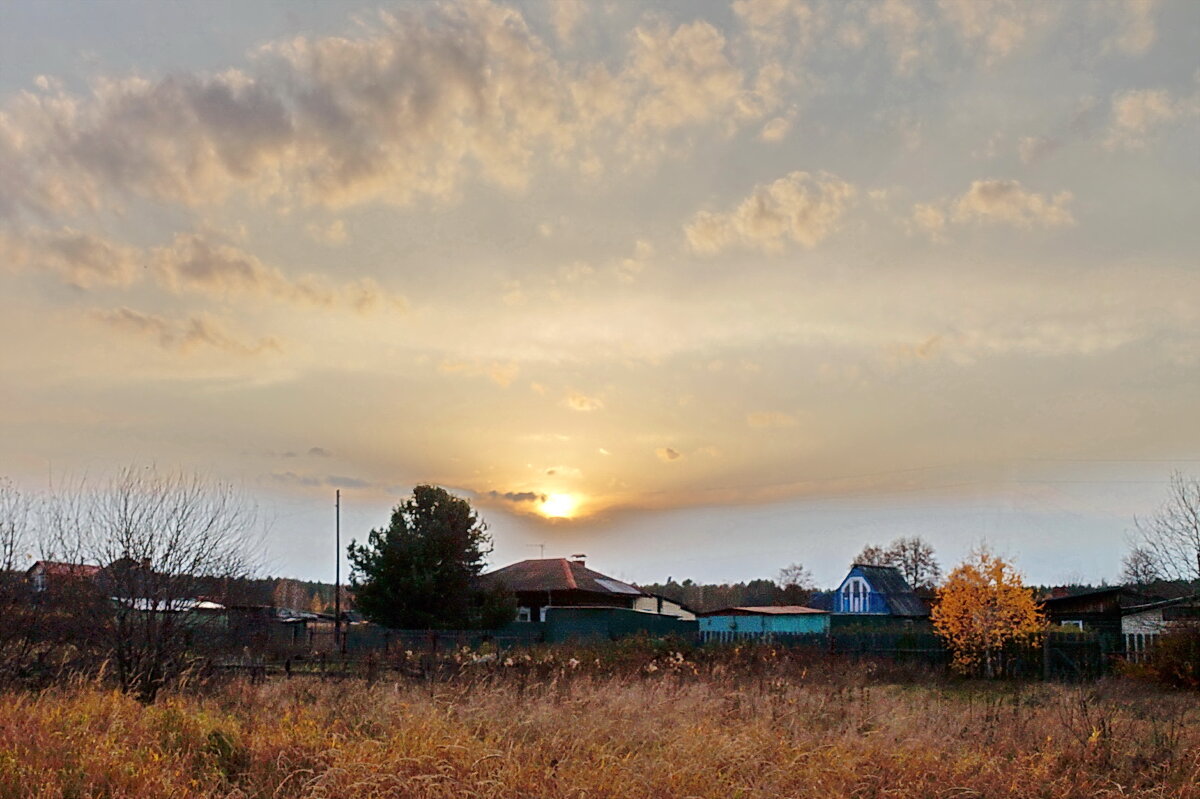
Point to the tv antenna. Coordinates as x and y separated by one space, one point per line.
541 549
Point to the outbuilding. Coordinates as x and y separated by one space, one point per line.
728 624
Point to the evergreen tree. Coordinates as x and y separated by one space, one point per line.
419 572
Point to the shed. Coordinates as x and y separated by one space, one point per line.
765 620
1098 611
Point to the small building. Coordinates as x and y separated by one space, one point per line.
47 574
1142 624
543 583
663 606
873 596
764 621
1097 611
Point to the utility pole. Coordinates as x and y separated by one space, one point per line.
337 571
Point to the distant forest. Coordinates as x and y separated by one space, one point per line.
700 597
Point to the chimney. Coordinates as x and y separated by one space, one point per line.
579 558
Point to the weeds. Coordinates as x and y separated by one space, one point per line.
752 723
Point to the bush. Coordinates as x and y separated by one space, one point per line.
1175 658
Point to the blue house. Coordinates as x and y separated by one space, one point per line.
729 624
872 594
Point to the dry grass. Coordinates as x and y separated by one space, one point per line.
554 729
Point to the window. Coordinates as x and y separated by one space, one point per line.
1076 623
523 614
856 596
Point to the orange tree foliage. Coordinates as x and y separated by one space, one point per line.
982 606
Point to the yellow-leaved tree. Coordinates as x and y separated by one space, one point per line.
982 606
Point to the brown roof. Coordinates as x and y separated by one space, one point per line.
55 569
763 610
556 574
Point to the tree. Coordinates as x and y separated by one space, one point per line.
795 583
1170 539
163 541
1139 568
916 561
982 606
911 555
419 572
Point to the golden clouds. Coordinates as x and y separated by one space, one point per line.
798 208
184 335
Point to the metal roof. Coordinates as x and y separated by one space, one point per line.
765 610
556 574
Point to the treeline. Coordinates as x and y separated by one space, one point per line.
701 597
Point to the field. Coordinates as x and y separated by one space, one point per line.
758 724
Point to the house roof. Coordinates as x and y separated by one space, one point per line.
52 568
1162 603
764 610
888 581
557 574
1121 592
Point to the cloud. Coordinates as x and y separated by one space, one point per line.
776 129
192 262
417 104
770 419
577 401
183 335
566 16
1137 113
996 28
517 496
903 29
1137 28
80 259
332 233
799 208
667 454
1008 202
502 373
319 452
320 481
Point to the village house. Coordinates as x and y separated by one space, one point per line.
540 584
1097 611
872 596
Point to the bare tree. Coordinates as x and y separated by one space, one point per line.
16 516
1170 539
912 555
872 555
796 584
166 543
1139 567
916 561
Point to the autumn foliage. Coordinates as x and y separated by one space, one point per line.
983 607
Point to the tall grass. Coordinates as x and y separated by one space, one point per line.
559 727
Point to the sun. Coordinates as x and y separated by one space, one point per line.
558 506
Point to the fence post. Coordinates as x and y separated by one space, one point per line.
1046 657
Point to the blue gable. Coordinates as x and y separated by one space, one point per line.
877 590
858 594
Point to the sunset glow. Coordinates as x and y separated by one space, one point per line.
558 506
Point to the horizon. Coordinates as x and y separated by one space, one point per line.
699 289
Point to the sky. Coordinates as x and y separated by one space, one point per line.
697 289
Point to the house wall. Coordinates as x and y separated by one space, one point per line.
653 604
1148 621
